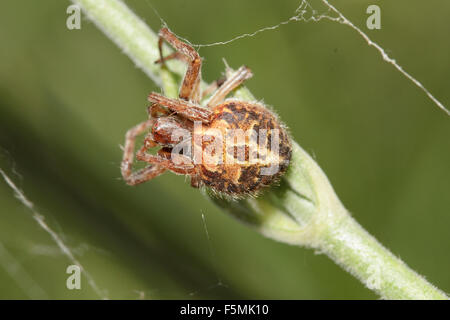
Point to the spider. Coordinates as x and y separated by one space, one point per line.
248 171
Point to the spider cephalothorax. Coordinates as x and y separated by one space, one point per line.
233 147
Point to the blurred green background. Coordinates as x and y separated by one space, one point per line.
68 97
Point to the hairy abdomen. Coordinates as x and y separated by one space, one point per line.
251 156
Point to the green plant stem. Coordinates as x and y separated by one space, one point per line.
304 210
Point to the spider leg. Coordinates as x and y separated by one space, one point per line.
195 181
177 163
190 89
231 83
154 109
187 109
213 87
144 174
150 172
175 55
167 154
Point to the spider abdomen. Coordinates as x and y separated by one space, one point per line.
255 151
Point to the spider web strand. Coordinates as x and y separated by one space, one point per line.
40 221
306 13
343 20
